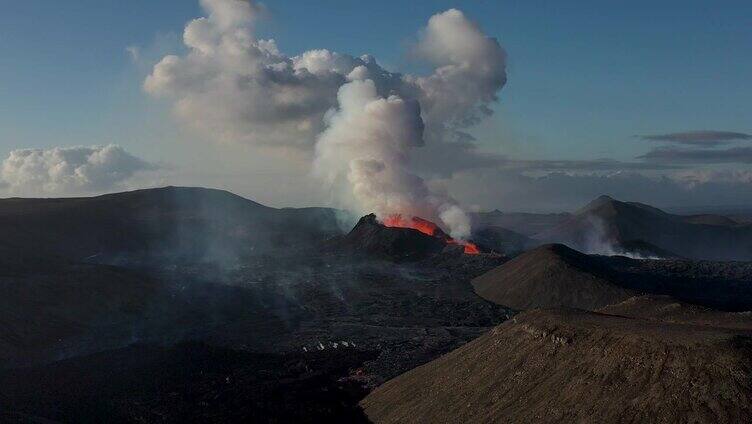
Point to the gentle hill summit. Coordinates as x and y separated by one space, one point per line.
549 276
165 223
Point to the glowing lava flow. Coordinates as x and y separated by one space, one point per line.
427 227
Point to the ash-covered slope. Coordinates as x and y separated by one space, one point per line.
186 383
163 223
549 276
51 307
610 226
576 366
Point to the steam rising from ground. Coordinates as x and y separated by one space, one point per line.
361 123
599 240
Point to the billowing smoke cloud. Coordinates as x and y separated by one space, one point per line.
68 170
361 122
471 69
239 88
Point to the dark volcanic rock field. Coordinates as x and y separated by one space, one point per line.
190 305
296 338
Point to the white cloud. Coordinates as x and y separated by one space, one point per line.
471 69
239 88
69 170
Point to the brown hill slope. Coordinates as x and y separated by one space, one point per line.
576 366
50 307
549 276
669 309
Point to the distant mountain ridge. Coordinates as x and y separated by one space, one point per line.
524 223
608 224
168 222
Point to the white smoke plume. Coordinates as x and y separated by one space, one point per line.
68 170
361 122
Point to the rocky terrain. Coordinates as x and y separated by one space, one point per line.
563 365
51 307
195 305
188 382
322 324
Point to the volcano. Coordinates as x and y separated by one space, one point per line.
427 227
371 237
395 238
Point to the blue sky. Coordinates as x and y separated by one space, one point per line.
583 77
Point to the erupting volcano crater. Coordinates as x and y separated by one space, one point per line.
400 240
427 227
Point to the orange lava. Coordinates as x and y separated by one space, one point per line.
422 225
470 247
427 227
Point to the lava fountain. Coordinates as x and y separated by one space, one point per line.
427 227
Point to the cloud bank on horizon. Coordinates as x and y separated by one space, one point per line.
705 138
361 122
66 171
